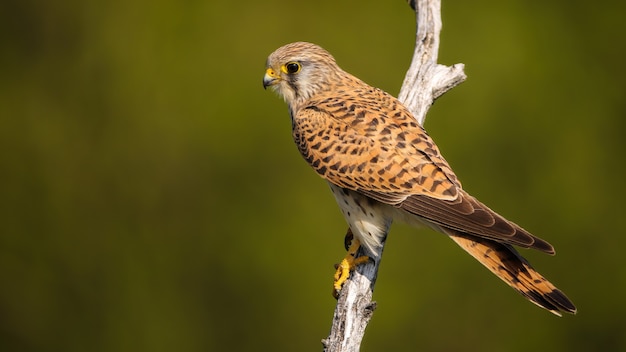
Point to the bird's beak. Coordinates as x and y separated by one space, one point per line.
270 78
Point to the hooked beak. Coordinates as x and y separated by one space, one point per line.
271 78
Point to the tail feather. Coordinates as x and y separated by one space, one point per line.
506 263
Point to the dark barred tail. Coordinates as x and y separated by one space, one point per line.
506 263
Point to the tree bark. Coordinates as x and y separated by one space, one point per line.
424 82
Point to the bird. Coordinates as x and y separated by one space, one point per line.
382 166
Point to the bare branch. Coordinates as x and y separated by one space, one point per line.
424 82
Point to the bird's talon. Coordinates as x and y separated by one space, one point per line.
347 265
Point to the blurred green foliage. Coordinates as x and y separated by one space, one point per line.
152 199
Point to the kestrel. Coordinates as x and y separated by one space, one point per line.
381 166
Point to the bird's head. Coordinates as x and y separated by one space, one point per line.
297 71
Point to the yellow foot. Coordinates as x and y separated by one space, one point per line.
347 265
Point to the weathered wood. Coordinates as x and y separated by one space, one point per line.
424 82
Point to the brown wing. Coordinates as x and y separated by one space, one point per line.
355 144
367 141
467 214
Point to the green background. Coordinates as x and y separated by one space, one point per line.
152 198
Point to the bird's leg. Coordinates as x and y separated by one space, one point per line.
349 262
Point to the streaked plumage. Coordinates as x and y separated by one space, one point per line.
382 166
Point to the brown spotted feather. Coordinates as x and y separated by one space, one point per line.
389 157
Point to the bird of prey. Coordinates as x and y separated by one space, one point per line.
381 166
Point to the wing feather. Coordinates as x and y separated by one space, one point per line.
387 156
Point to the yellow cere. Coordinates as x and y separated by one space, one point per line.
270 72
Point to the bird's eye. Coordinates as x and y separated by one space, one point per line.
292 67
